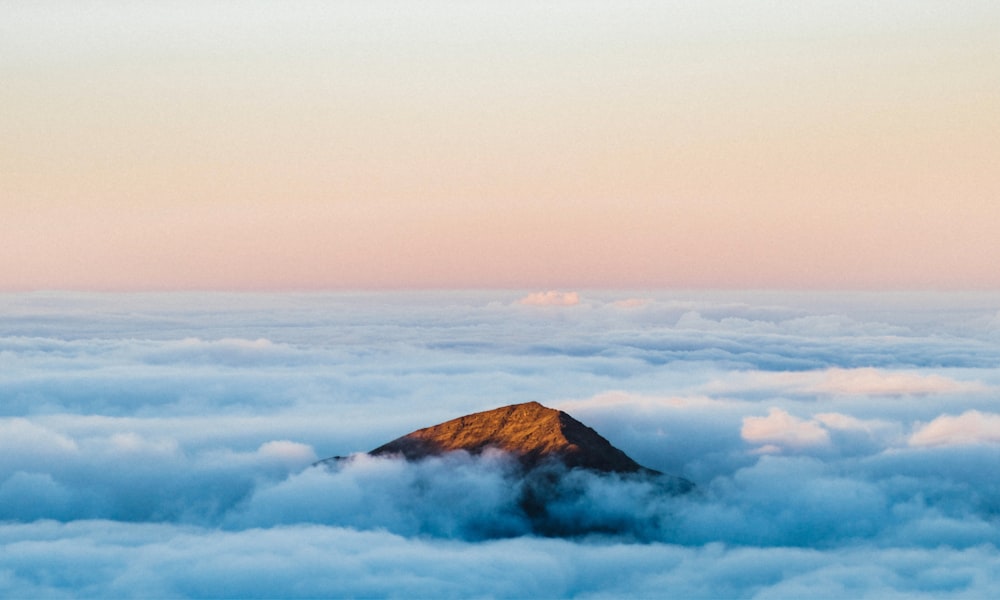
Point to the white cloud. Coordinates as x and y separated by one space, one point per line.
836 381
848 423
287 452
243 344
131 443
625 400
779 428
970 427
100 558
876 382
551 298
185 425
22 436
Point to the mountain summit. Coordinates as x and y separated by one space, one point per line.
561 459
531 432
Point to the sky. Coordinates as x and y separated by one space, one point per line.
240 237
843 445
354 145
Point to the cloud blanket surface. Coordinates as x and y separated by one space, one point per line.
162 445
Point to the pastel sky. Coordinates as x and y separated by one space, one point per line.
309 145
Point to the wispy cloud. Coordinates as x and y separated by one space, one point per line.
837 381
632 302
876 382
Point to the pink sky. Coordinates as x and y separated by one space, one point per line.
301 145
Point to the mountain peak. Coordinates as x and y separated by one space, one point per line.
541 437
531 432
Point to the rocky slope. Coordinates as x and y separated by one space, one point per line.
531 432
535 435
564 464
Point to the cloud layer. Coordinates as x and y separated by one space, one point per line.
160 445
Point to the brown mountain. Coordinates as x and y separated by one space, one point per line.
531 432
544 441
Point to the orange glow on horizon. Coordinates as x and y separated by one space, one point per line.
485 147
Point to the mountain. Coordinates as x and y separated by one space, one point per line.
549 444
536 435
531 432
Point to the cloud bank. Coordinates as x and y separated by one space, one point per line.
161 445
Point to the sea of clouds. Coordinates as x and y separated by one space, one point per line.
162 445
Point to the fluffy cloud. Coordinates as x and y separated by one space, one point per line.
100 558
160 445
551 298
971 427
287 452
780 429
